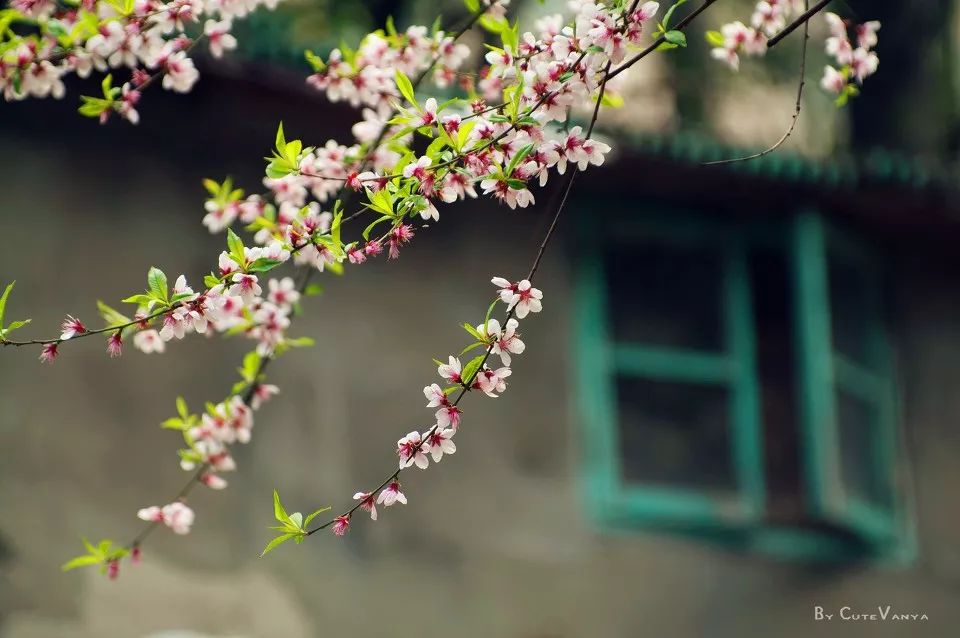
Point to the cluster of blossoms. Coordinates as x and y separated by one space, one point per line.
208 437
735 38
148 37
770 17
177 516
234 302
499 149
365 77
856 64
417 448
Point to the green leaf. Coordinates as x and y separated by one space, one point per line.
669 14
313 290
281 142
157 284
300 342
14 325
473 332
715 38
140 299
3 301
473 346
493 304
235 247
111 316
405 87
93 106
88 546
612 100
173 423
374 224
313 515
279 540
296 519
263 265
511 36
182 408
518 157
107 86
472 6
470 370
291 153
278 512
314 61
494 25
676 38
81 561
251 366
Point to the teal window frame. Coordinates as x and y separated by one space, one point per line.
824 371
601 360
807 240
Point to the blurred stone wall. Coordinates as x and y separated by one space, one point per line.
495 540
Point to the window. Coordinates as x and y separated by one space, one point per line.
735 380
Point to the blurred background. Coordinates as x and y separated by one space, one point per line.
739 404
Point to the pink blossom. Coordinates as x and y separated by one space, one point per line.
71 327
115 345
504 342
833 81
391 494
262 393
283 292
366 503
177 516
410 450
213 481
521 295
341 524
439 442
148 341
451 371
492 382
48 353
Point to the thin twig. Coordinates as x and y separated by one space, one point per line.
796 112
803 18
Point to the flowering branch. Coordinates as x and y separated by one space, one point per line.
796 110
768 19
534 80
78 36
232 419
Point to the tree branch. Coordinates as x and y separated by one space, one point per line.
796 112
801 19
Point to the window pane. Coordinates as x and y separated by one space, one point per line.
852 310
675 434
858 429
665 295
773 315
